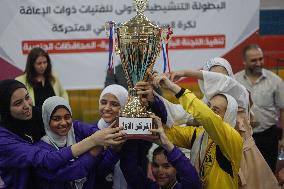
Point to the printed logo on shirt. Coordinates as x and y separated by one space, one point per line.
109 177
209 157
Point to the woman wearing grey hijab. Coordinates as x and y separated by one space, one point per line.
62 132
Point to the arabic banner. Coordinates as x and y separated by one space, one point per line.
73 32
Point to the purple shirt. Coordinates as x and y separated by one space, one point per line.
137 179
84 166
17 156
104 175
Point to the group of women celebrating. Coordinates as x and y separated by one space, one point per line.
70 154
47 149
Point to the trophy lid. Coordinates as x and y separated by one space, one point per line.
138 28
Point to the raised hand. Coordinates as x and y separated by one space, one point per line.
176 76
145 91
161 80
162 139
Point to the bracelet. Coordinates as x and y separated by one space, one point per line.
180 93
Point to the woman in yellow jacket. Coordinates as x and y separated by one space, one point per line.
39 79
217 146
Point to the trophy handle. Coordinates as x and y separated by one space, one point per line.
116 48
110 25
166 34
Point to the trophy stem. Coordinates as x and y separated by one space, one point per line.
134 107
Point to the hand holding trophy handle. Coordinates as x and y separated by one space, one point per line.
163 81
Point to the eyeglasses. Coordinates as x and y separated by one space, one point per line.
66 117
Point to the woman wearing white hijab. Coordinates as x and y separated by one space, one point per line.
202 140
209 81
114 96
62 132
254 172
111 100
218 77
219 65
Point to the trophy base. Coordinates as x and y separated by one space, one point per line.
137 128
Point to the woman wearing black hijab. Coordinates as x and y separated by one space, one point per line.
21 126
30 127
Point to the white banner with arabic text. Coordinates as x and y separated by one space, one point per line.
73 32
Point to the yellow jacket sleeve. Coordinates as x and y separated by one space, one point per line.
228 139
183 136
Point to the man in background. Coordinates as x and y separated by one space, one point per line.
267 93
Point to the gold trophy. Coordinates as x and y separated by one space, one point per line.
138 43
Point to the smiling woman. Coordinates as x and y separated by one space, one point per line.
22 119
61 121
21 104
112 99
58 125
109 107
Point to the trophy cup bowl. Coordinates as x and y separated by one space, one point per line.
138 44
